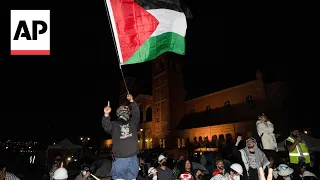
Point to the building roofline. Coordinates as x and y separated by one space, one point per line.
221 91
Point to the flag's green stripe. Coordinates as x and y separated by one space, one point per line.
157 45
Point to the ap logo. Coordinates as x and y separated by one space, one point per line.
30 32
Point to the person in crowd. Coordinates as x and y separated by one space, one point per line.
143 170
152 173
284 172
236 171
164 173
55 166
170 161
226 162
61 173
251 157
265 130
220 168
85 173
5 175
306 175
198 174
124 138
298 151
268 142
179 167
187 168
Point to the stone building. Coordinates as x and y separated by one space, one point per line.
168 120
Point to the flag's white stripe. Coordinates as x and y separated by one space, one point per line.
115 32
169 21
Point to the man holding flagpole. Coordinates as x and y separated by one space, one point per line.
124 134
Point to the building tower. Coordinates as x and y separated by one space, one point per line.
168 96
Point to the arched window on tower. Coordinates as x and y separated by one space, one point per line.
149 114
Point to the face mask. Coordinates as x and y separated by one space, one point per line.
236 177
154 177
164 164
287 178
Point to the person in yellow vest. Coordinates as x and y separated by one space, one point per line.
298 150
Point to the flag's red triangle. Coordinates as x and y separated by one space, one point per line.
134 25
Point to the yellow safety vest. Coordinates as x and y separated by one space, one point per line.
295 154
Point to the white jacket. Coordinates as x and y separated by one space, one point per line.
265 130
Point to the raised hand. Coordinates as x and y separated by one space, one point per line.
130 98
262 176
239 138
107 110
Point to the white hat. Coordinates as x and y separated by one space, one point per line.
309 174
284 170
237 167
60 173
151 171
161 157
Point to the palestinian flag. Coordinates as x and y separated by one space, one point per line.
144 29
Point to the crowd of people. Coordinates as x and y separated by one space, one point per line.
251 158
254 155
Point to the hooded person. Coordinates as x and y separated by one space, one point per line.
124 134
251 158
236 171
265 130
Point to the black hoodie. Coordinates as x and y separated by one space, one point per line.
124 134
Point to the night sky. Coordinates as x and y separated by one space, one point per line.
64 94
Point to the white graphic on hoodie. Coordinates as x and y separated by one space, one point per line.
125 131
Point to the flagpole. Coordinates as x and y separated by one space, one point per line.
115 45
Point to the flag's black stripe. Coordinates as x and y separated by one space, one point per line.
175 5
